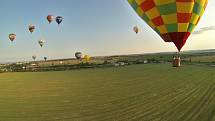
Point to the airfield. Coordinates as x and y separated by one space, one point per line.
140 92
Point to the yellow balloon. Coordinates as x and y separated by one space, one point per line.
87 58
173 20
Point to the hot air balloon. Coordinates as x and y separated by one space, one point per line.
31 28
87 58
12 37
136 29
78 55
34 57
50 18
41 42
45 58
59 19
173 20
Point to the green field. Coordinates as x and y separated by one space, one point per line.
152 92
203 58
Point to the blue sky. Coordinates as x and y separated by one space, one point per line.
94 27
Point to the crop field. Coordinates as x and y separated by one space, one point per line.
208 58
151 92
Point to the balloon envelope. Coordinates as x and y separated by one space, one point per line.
31 28
59 19
136 29
34 57
78 55
173 20
87 58
12 36
50 18
41 42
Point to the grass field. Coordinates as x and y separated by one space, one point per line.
152 92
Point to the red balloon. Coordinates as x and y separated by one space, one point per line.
50 18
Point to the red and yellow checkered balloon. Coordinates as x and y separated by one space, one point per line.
173 20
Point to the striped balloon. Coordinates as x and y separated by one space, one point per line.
173 20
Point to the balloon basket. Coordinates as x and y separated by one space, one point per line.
176 62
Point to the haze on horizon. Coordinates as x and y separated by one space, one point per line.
96 27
